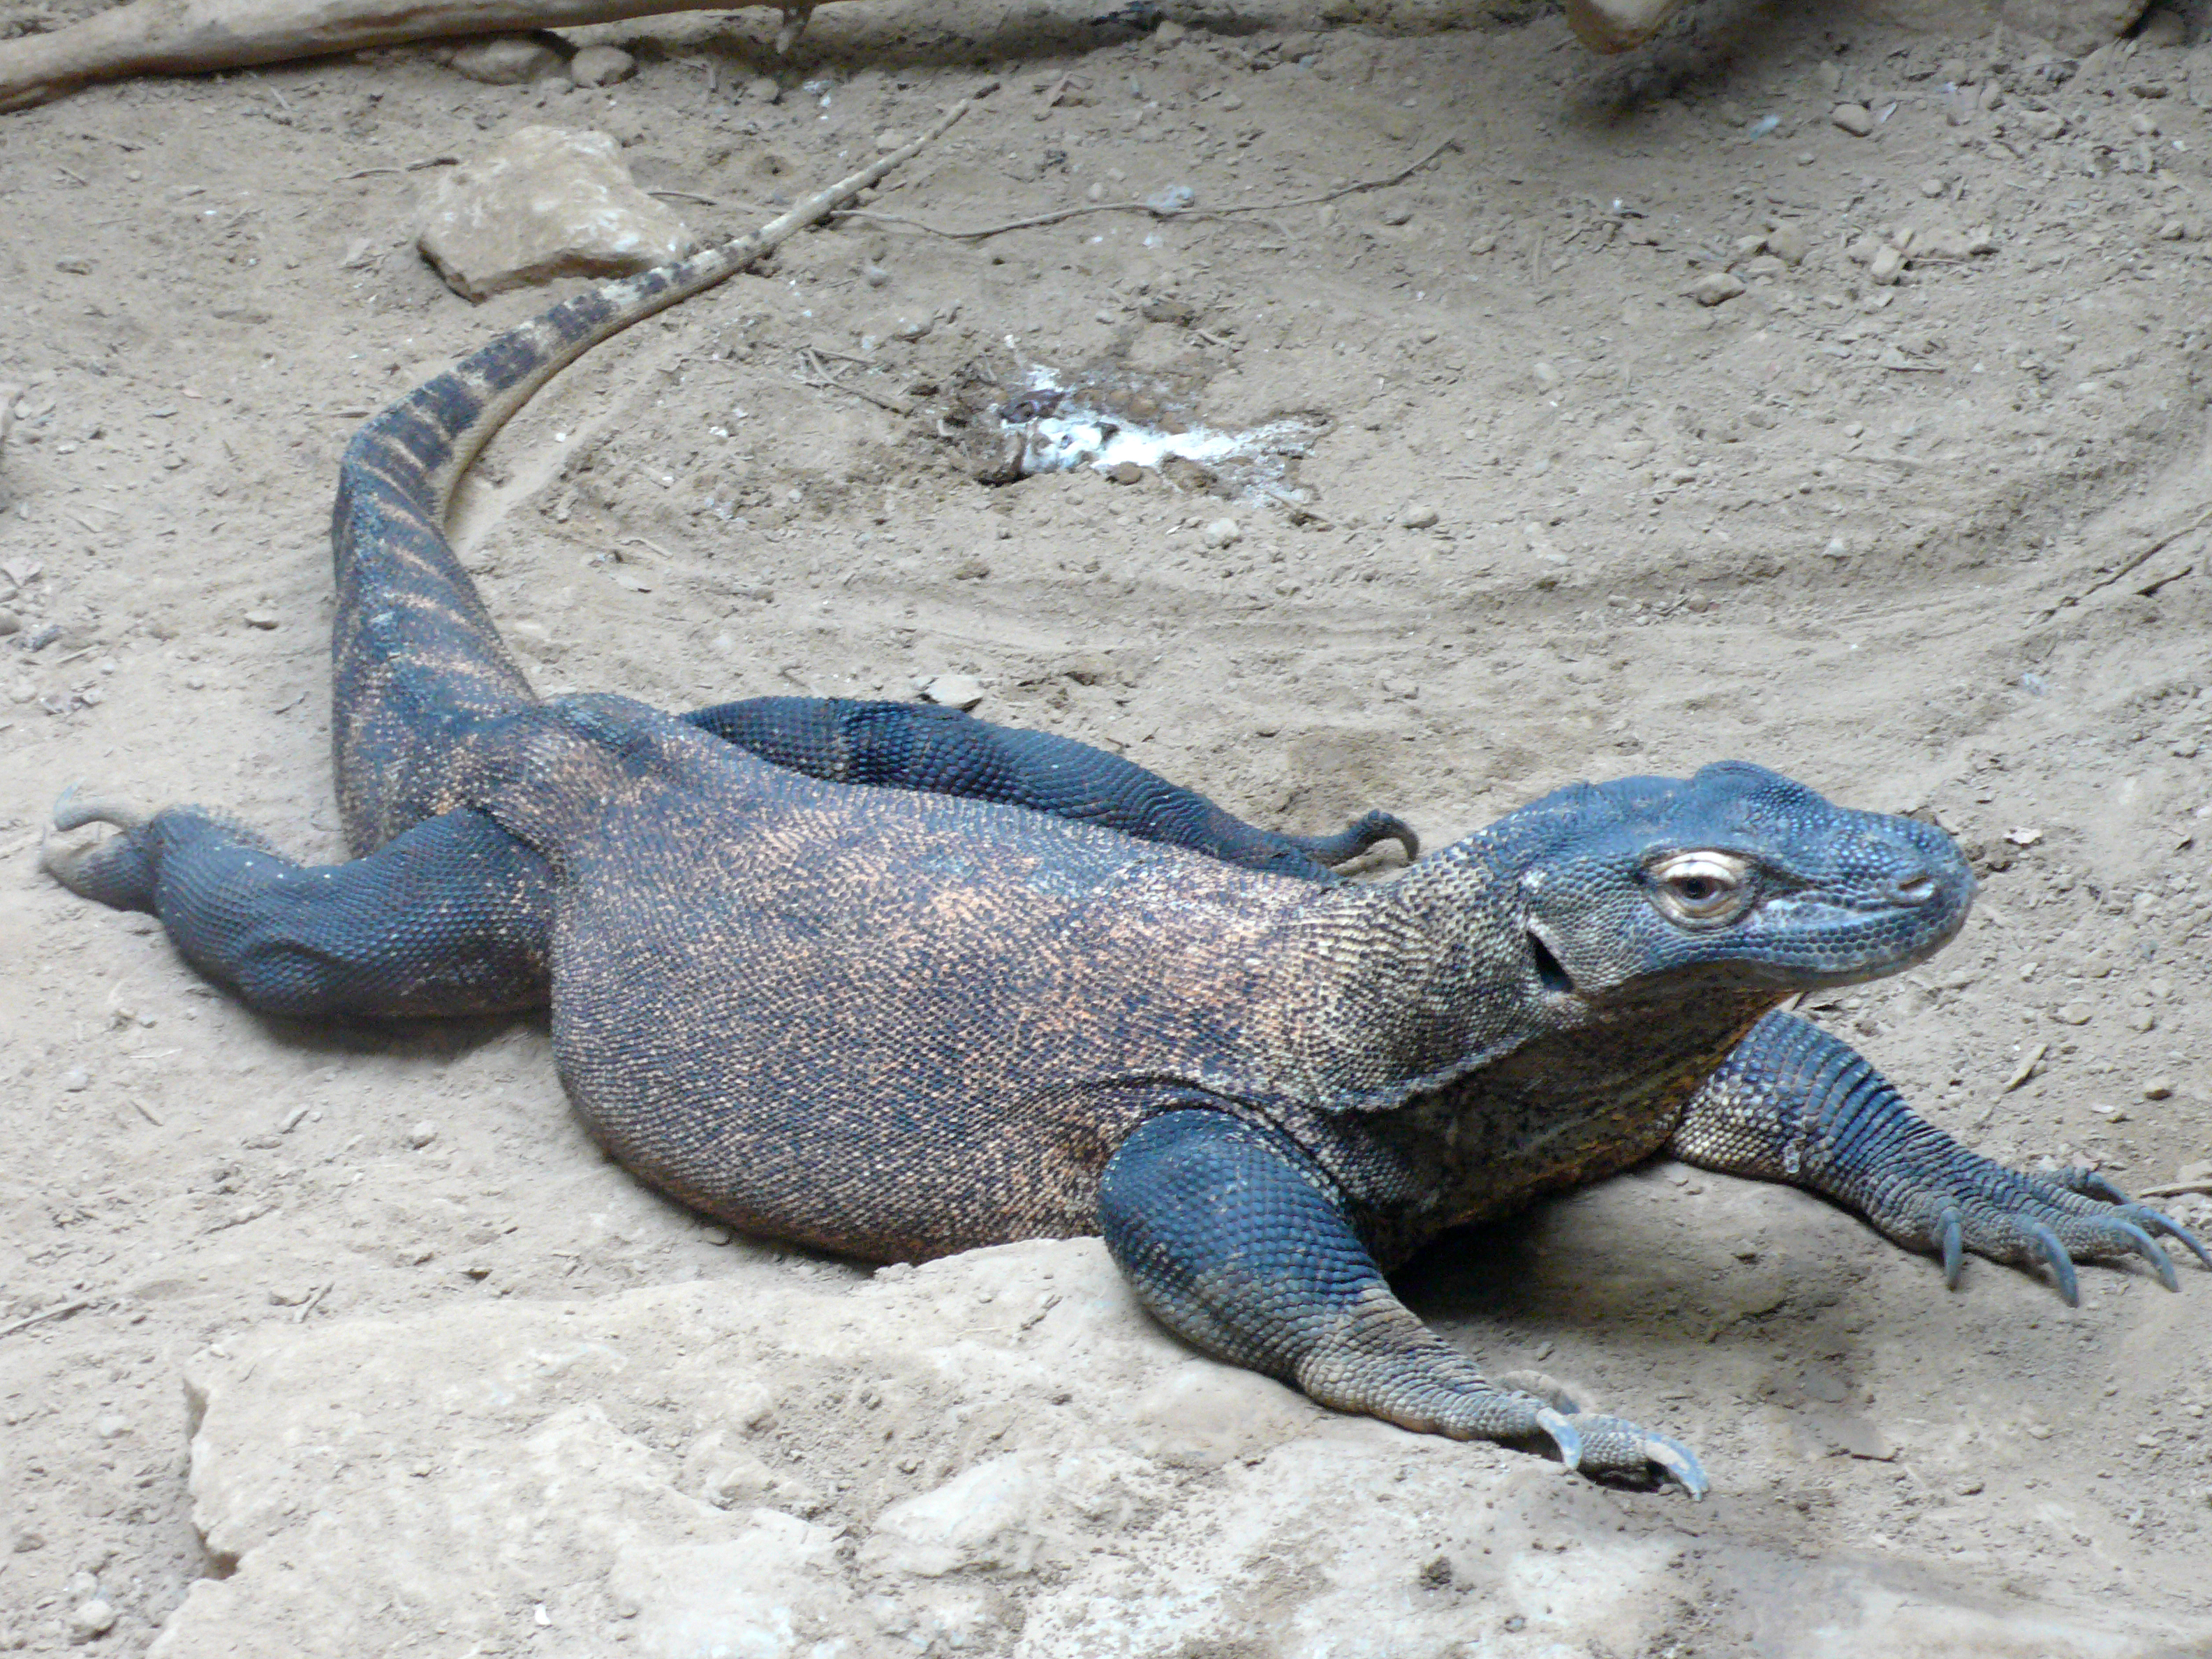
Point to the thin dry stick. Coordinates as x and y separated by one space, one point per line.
1053 218
61 1312
2176 1189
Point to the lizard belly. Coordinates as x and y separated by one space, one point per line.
823 1015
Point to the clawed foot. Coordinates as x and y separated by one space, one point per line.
2054 1220
1604 1448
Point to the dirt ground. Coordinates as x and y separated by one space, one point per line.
1933 544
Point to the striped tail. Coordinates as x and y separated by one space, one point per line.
416 665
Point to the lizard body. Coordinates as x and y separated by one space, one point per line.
897 984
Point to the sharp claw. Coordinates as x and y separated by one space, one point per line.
1564 1435
2145 1246
70 813
2154 1222
2090 1184
1679 1461
1953 1250
2061 1265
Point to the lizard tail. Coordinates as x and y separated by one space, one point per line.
417 663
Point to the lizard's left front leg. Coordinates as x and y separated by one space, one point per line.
1793 1103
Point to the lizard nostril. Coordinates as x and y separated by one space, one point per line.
1916 889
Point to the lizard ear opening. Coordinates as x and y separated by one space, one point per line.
1553 977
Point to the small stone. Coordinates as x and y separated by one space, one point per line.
2073 1013
2158 1089
2141 125
1167 34
545 202
10 623
715 1235
1931 188
421 1135
1854 118
954 690
26 1540
1789 243
112 1427
1886 266
2044 123
764 88
601 66
1125 472
1967 1484
1716 287
971 569
889 139
1544 375
2038 1430
2026 835
1419 516
1398 215
1830 74
1222 532
507 60
76 1079
261 619
91 1619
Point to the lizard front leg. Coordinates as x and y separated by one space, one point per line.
453 916
920 746
1234 1240
1793 1105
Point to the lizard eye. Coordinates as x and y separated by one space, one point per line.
1701 889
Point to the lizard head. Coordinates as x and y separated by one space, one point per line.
1737 873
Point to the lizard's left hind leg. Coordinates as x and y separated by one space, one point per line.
451 917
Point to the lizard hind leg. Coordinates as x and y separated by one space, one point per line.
1231 1239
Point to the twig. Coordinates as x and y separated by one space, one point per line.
1053 218
412 166
686 195
147 1112
61 1312
2027 1068
861 392
281 99
2135 563
2176 1189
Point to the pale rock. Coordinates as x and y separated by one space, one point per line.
507 60
1789 242
954 690
1854 118
1716 287
546 203
601 66
1611 26
1886 266
1418 516
1221 532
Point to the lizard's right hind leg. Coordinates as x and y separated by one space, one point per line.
451 917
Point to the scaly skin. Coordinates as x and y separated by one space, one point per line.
939 1007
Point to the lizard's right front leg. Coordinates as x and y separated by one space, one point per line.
1233 1240
453 916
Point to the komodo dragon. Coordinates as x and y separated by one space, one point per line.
899 1021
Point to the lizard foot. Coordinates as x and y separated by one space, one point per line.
2053 1221
1609 1448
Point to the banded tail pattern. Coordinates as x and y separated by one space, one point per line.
417 666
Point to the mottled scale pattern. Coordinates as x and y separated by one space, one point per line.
897 985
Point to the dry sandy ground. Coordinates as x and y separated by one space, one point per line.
1927 546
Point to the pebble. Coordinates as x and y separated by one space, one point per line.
1420 517
76 1079
1398 215
1789 243
112 1427
601 66
764 88
889 139
10 623
2141 125
1830 74
1716 287
421 1135
2158 1089
261 619
1886 266
507 60
1126 473
2073 1013
1931 188
1544 375
91 1619
1854 118
545 202
954 690
1222 532
2044 123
